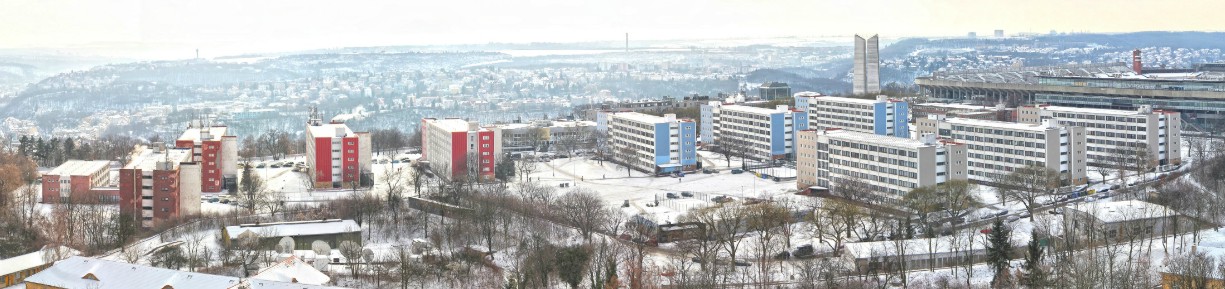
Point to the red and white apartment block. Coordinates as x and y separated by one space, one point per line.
453 144
159 184
79 181
335 154
217 154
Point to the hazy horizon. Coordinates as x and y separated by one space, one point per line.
230 27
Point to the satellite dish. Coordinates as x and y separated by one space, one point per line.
368 255
286 245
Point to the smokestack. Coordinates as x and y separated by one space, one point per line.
1136 64
627 42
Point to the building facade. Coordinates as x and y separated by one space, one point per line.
890 167
336 156
159 185
653 144
455 147
867 66
1113 132
774 90
217 153
997 148
882 116
765 134
547 135
77 180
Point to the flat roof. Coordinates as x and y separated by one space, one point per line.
69 273
754 109
79 168
303 228
1120 211
956 106
214 132
847 99
998 124
876 139
144 157
328 130
640 117
1097 111
921 247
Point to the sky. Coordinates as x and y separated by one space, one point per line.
280 25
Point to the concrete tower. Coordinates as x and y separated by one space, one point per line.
867 66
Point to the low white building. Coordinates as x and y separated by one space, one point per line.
1120 219
546 135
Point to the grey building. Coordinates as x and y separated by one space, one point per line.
774 90
867 65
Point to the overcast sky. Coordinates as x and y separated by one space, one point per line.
261 25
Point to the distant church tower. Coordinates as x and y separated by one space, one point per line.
867 66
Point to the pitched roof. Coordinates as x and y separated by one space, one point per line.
292 270
69 273
34 259
290 229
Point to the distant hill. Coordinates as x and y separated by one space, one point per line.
799 82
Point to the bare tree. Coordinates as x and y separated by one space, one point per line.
1028 185
583 209
352 252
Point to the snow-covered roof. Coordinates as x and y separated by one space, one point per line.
262 284
642 117
1098 111
146 158
291 229
329 130
195 133
70 273
755 110
34 259
79 168
1120 211
293 270
999 124
881 140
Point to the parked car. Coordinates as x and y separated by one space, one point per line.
805 251
672 196
1056 211
722 199
260 165
687 194
737 171
213 200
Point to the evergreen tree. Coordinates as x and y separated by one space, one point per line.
505 169
70 149
1035 276
23 146
998 247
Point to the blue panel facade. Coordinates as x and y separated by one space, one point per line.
689 153
662 147
878 118
778 136
901 124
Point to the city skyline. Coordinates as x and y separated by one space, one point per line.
239 26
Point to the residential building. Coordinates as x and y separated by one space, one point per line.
774 90
547 135
291 270
762 133
803 99
456 148
998 148
217 153
78 180
14 270
889 166
959 110
867 66
919 253
304 233
653 144
159 184
882 116
336 156
1112 133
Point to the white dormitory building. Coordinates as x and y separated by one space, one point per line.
882 116
653 144
1108 130
767 134
889 166
998 148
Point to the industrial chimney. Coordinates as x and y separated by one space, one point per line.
1135 61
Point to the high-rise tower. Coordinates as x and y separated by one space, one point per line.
867 65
